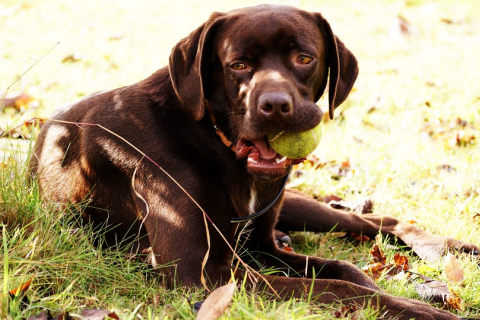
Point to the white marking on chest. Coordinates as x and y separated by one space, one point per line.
253 200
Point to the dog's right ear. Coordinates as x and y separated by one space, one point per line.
343 68
189 62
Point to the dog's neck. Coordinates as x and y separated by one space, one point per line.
232 146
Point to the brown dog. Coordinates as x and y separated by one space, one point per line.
251 71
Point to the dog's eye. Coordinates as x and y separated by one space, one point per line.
304 59
238 66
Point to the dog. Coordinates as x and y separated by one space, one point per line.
179 162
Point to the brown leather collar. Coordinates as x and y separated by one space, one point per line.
232 146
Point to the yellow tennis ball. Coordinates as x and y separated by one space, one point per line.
295 145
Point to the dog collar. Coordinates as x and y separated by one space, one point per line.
259 213
230 145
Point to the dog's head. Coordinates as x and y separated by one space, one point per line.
262 69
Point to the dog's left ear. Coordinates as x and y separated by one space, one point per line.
343 68
188 65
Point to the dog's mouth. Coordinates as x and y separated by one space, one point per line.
262 160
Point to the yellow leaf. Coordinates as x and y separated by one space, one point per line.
425 269
453 269
454 302
216 303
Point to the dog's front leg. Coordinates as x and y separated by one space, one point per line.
301 212
185 246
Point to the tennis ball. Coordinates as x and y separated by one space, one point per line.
295 145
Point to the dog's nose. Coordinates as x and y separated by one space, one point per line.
275 104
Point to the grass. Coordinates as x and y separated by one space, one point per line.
399 131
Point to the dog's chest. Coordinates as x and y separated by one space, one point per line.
255 197
253 202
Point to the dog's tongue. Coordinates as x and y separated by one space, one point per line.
262 159
266 152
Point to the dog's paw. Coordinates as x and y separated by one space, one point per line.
434 248
404 308
465 247
282 239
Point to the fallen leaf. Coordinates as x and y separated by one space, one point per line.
426 269
34 122
217 302
377 254
98 314
347 311
438 292
380 267
456 132
453 301
358 237
45 315
446 167
401 261
21 289
400 27
452 268
374 270
74 57
42 316
17 100
433 291
342 170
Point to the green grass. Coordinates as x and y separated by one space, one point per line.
398 130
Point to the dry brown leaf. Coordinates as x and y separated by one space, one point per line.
452 268
433 291
42 316
45 315
74 57
436 291
453 301
401 262
16 100
374 270
358 237
98 314
380 266
216 303
377 254
348 311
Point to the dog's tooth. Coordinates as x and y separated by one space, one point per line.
252 160
280 160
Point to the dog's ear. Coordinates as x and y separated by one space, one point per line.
188 65
343 68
